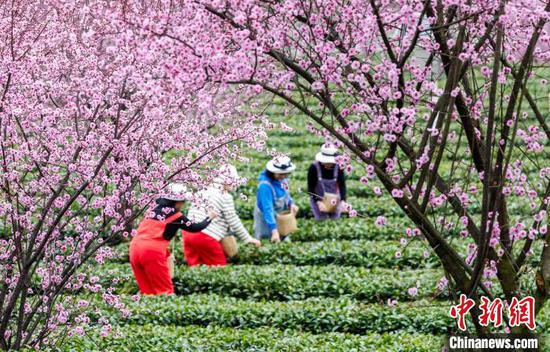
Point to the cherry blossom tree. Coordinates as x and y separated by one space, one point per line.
436 99
96 118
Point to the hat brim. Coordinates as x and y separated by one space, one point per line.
176 199
270 167
325 159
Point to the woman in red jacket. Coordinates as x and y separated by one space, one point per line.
149 248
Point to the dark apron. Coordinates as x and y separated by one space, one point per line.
325 185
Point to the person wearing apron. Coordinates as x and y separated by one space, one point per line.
324 176
149 248
206 247
272 198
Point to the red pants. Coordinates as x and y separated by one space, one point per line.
200 248
150 267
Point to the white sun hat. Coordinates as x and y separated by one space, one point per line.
228 174
176 192
280 165
327 155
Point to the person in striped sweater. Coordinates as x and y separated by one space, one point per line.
204 247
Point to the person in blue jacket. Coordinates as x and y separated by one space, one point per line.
273 197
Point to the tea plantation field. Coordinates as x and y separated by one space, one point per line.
337 286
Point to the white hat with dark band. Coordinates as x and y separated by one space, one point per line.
327 155
228 174
176 192
280 165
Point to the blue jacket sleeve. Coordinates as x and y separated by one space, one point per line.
265 203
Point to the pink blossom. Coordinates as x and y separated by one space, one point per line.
317 86
397 193
380 221
540 216
105 330
442 283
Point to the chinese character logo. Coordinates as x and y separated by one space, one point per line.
462 309
520 311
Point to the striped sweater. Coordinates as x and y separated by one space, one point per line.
227 223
